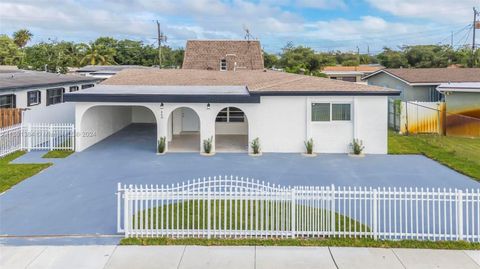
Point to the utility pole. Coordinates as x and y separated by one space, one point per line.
451 41
475 13
160 38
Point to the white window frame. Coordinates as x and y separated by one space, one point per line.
228 116
331 112
39 101
223 65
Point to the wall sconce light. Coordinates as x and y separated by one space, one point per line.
208 106
161 105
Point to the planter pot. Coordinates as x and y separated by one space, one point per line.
163 153
255 155
361 155
207 154
309 155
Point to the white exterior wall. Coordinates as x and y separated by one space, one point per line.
282 123
41 113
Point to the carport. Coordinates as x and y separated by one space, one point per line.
101 121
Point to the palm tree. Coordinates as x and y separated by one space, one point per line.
21 37
93 55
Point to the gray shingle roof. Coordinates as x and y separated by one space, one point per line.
32 79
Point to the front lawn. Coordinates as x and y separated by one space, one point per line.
459 153
12 174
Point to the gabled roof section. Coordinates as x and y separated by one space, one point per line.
21 79
433 76
207 54
258 82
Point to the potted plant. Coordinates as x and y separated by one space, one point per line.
207 147
357 148
255 147
309 148
161 145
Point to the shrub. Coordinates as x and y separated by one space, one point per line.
161 144
207 145
309 146
256 145
357 146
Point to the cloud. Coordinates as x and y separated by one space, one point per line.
437 10
273 22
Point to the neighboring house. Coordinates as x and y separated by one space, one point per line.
34 90
233 108
223 55
421 84
463 108
350 73
104 71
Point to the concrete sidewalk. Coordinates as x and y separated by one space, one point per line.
166 257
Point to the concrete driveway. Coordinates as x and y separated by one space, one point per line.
76 196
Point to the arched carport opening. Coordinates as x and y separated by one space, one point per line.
183 130
231 130
124 126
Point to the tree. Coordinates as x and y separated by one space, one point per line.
22 37
269 60
10 54
94 54
392 59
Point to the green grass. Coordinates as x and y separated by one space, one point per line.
325 242
12 174
459 153
58 154
237 218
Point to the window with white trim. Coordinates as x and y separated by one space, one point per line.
331 112
86 86
7 101
223 64
230 114
55 96
33 98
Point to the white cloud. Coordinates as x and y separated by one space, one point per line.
438 10
270 21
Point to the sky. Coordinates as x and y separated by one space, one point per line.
324 25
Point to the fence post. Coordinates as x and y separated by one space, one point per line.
459 215
73 136
375 214
208 212
126 212
22 142
332 211
293 216
29 135
50 134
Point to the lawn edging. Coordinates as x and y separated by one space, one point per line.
321 242
55 154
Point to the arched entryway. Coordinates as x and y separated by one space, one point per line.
183 130
231 130
124 126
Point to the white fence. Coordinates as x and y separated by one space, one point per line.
232 207
37 137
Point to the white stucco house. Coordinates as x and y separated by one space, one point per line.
188 106
41 94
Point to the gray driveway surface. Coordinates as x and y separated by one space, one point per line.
76 196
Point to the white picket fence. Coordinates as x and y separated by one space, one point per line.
233 207
37 136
